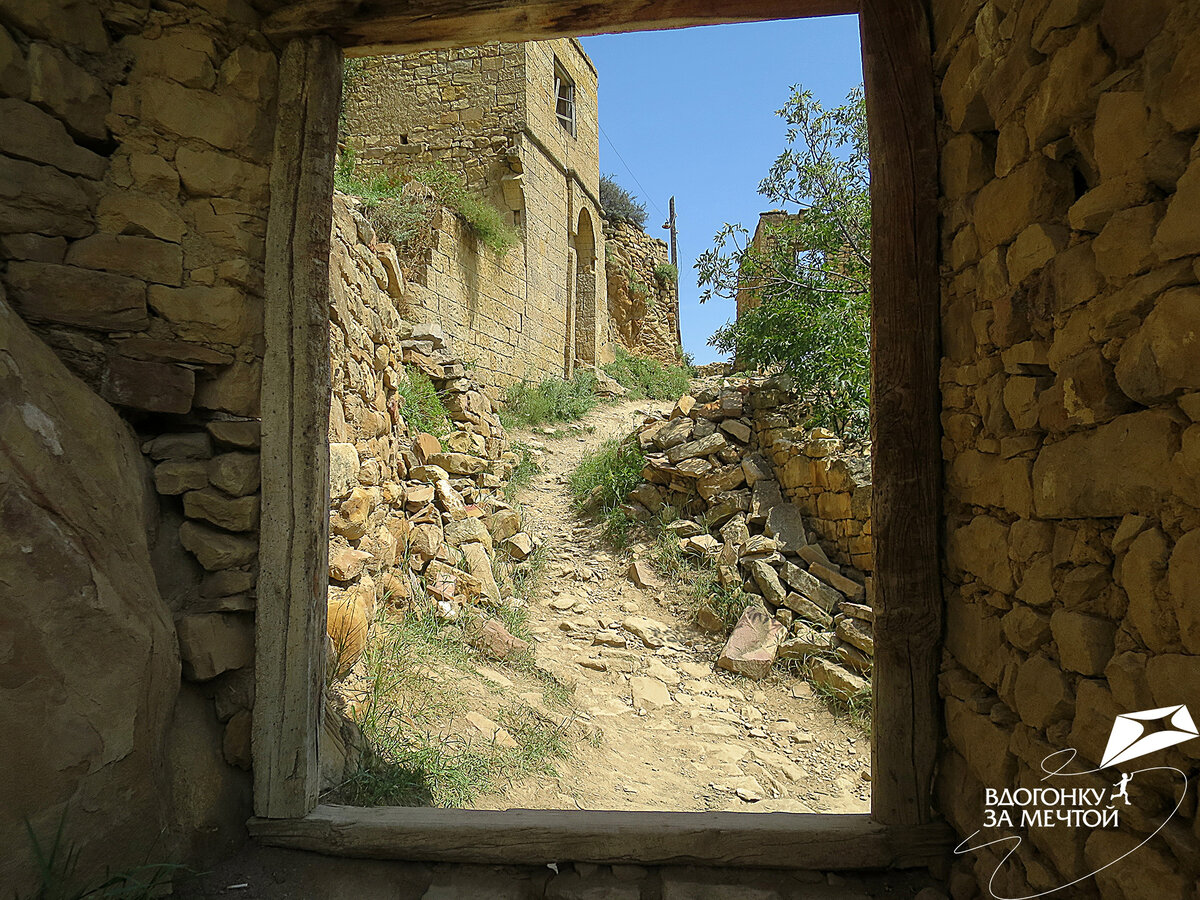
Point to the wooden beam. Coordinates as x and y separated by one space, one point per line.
905 425
290 622
537 837
374 27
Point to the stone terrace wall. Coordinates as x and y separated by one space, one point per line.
1070 235
134 161
643 309
830 483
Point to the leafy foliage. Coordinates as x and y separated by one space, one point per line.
645 377
666 273
811 273
550 400
620 205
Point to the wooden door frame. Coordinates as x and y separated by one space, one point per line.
906 505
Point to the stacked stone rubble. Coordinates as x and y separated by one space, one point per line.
1070 247
413 519
643 298
705 462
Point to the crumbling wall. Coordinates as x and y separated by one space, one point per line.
134 151
1070 234
643 295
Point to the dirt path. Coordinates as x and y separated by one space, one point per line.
674 732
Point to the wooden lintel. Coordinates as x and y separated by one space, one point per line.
906 512
374 27
537 837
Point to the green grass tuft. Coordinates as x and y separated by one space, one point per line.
645 377
420 404
551 400
602 481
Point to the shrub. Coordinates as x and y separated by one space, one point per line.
619 205
420 404
666 274
550 400
645 377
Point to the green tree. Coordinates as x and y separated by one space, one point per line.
811 274
620 205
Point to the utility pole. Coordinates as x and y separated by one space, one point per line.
670 225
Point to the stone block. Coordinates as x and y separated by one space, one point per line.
1043 693
965 166
176 476
219 314
1064 95
1026 628
150 386
71 93
1092 211
212 643
138 214
767 580
237 474
235 389
139 257
69 295
982 742
753 644
14 74
244 435
217 549
222 122
842 683
230 513
1085 643
1142 574
980 548
207 173
1110 470
1037 191
35 135
1183 581
1034 247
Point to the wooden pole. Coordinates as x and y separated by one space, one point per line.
670 225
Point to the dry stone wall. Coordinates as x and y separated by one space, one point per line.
737 472
414 519
1071 413
135 154
643 297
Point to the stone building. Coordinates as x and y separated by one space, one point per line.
518 123
165 213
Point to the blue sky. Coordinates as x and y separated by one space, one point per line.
692 113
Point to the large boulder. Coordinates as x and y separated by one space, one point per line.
89 667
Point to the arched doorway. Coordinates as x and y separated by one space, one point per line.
583 296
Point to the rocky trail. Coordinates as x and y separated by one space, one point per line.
670 731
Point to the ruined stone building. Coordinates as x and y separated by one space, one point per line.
518 123
166 174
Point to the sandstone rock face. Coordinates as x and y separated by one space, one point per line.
643 297
95 664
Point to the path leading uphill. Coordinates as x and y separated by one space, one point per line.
674 733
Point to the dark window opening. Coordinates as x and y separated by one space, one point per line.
564 98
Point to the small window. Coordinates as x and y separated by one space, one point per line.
564 98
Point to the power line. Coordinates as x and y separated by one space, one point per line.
645 193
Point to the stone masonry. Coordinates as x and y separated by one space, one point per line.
488 113
643 298
1071 409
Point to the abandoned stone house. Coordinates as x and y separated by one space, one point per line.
165 222
517 122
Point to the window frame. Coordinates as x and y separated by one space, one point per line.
562 78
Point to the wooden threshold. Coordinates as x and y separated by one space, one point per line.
535 836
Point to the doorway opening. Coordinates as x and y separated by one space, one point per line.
909 595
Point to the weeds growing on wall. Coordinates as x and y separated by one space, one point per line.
645 377
550 400
420 404
666 274
401 206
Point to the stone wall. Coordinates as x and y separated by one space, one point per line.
488 114
1071 412
403 504
828 481
135 155
643 302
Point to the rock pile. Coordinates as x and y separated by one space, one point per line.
413 518
703 461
